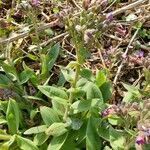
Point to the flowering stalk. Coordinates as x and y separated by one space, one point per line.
71 93
32 14
73 86
36 31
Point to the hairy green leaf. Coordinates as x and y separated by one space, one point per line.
12 116
26 144
57 142
35 130
49 115
93 141
56 129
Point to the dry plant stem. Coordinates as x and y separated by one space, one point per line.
125 53
23 35
110 6
130 6
100 54
137 81
73 2
121 40
101 57
47 17
142 46
54 38
130 43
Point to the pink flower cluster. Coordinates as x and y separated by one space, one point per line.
35 3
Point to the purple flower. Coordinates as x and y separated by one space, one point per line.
88 35
109 111
109 17
104 3
120 31
140 54
35 3
140 140
105 113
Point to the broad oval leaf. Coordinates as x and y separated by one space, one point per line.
53 54
56 129
57 142
100 78
12 116
85 105
25 76
93 141
40 138
4 81
26 144
49 115
93 91
51 91
87 74
35 130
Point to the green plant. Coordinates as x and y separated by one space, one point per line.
50 101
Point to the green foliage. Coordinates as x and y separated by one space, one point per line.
57 142
25 144
49 115
13 116
56 129
53 101
93 141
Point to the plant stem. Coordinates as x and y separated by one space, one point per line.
5 137
125 53
73 86
100 54
35 25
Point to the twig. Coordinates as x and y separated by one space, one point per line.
132 39
74 2
110 5
130 6
124 41
142 46
47 17
114 13
125 53
54 38
25 34
136 82
100 54
113 37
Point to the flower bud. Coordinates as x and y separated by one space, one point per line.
140 54
110 111
140 140
78 28
104 3
88 35
35 3
109 17
135 106
86 4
